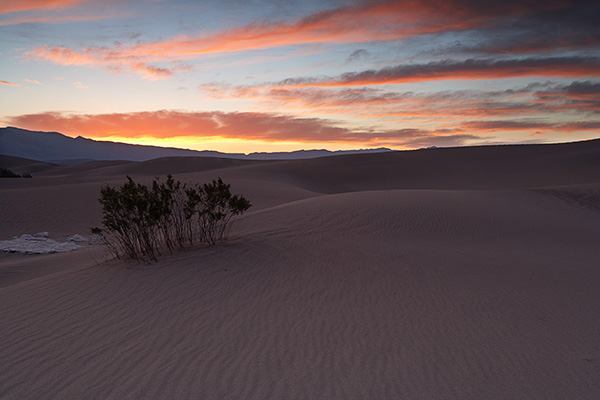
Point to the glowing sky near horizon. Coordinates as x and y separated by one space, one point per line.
274 75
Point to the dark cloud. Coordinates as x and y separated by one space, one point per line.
576 96
573 66
572 26
531 125
583 88
579 126
357 55
504 125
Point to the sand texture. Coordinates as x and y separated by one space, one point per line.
438 274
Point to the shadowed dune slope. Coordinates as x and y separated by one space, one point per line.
488 167
159 166
23 165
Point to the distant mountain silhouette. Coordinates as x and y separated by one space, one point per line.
60 149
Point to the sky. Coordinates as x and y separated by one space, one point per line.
274 75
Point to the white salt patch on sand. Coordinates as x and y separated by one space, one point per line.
39 244
77 238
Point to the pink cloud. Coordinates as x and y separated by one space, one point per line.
47 19
369 21
169 124
9 83
25 5
111 60
243 126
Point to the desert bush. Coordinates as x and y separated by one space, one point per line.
131 214
7 173
139 220
217 207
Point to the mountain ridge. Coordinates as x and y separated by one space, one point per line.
58 148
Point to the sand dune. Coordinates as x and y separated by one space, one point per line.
347 280
493 167
22 165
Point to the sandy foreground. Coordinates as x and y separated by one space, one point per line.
439 274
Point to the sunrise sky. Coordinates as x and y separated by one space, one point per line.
274 75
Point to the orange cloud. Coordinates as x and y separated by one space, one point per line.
50 19
220 125
275 128
370 21
63 56
9 83
111 60
362 23
320 28
25 5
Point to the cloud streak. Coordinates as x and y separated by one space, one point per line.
111 60
580 126
6 83
564 67
27 5
248 126
364 22
45 11
50 19
374 102
549 107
